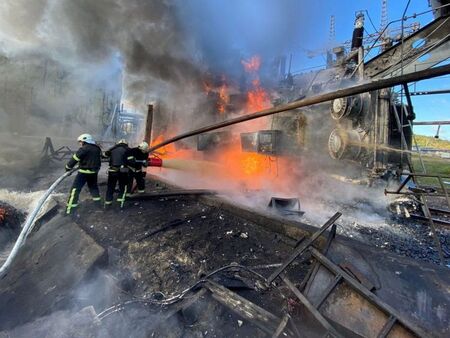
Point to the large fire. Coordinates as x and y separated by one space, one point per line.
228 163
224 98
257 97
252 65
171 150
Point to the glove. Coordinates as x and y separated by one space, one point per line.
68 169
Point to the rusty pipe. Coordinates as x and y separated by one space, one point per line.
358 89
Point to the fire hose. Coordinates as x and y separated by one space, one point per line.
29 223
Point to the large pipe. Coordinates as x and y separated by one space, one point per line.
363 88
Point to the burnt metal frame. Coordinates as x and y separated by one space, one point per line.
300 248
49 152
412 175
311 308
303 246
394 316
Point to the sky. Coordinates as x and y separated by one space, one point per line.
427 108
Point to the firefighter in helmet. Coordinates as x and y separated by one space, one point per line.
137 162
88 158
117 172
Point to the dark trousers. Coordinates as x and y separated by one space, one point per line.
140 182
113 178
78 183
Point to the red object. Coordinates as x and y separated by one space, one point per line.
154 162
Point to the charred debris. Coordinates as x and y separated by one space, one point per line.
179 261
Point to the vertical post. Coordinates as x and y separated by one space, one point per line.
149 124
374 104
361 63
404 144
384 98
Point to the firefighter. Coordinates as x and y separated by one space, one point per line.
88 158
137 162
117 172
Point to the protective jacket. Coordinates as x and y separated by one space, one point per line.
117 156
88 158
136 159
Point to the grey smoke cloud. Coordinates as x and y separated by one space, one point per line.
162 48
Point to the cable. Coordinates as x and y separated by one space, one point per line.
177 297
370 19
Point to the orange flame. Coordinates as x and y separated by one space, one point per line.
171 150
252 65
224 98
257 97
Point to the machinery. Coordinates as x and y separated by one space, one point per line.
371 130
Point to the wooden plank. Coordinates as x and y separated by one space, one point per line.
281 326
315 267
367 294
358 275
387 327
320 318
303 246
328 290
263 319
184 304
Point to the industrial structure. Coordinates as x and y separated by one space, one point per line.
177 261
373 130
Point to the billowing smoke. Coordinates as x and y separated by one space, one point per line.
227 31
64 60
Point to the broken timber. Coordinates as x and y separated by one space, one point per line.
340 303
303 246
263 319
320 318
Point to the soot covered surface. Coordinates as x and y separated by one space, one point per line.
197 239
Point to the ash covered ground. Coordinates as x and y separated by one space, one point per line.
203 238
168 262
366 215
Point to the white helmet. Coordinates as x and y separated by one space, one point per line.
143 146
122 141
86 138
